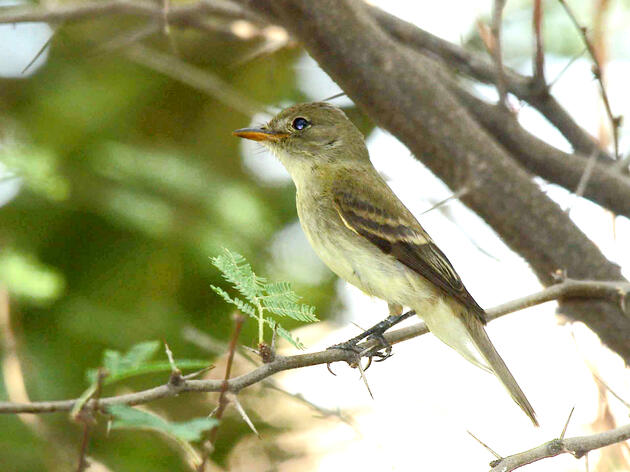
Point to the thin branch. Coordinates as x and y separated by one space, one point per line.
567 289
86 416
480 68
607 186
456 196
586 175
497 50
615 121
539 55
578 446
194 77
192 15
204 341
223 397
88 10
607 387
566 68
39 53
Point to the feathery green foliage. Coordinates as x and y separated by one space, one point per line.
277 298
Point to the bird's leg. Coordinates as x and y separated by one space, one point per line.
377 332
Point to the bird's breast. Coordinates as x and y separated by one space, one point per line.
351 256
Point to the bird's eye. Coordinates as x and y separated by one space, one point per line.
300 123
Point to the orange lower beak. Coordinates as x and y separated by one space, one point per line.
258 134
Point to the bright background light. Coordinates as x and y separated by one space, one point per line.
426 396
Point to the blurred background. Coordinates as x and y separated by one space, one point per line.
119 179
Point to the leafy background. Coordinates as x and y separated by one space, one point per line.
130 182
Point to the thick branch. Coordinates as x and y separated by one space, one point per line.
578 446
606 185
567 289
481 68
473 64
415 104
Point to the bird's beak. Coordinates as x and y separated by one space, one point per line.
258 134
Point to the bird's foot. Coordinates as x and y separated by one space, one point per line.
382 350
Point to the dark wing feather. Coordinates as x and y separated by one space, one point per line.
402 237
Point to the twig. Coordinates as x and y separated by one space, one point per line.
608 186
578 446
204 341
497 53
39 53
586 175
565 68
86 416
128 38
539 59
456 196
324 412
478 67
606 290
615 121
194 77
607 387
86 10
223 399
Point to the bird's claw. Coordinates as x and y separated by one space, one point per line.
383 350
373 352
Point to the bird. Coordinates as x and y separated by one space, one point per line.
367 236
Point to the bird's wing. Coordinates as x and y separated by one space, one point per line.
390 226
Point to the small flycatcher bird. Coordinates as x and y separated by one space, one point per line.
365 234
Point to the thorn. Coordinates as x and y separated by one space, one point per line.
192 375
234 399
498 456
171 359
564 430
250 349
176 378
213 412
274 336
364 379
357 326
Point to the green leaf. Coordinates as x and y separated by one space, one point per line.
239 273
281 290
186 431
291 309
240 304
277 298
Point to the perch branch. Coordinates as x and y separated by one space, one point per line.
577 446
613 291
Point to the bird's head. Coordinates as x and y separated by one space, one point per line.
310 135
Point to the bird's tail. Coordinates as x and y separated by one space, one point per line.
482 342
